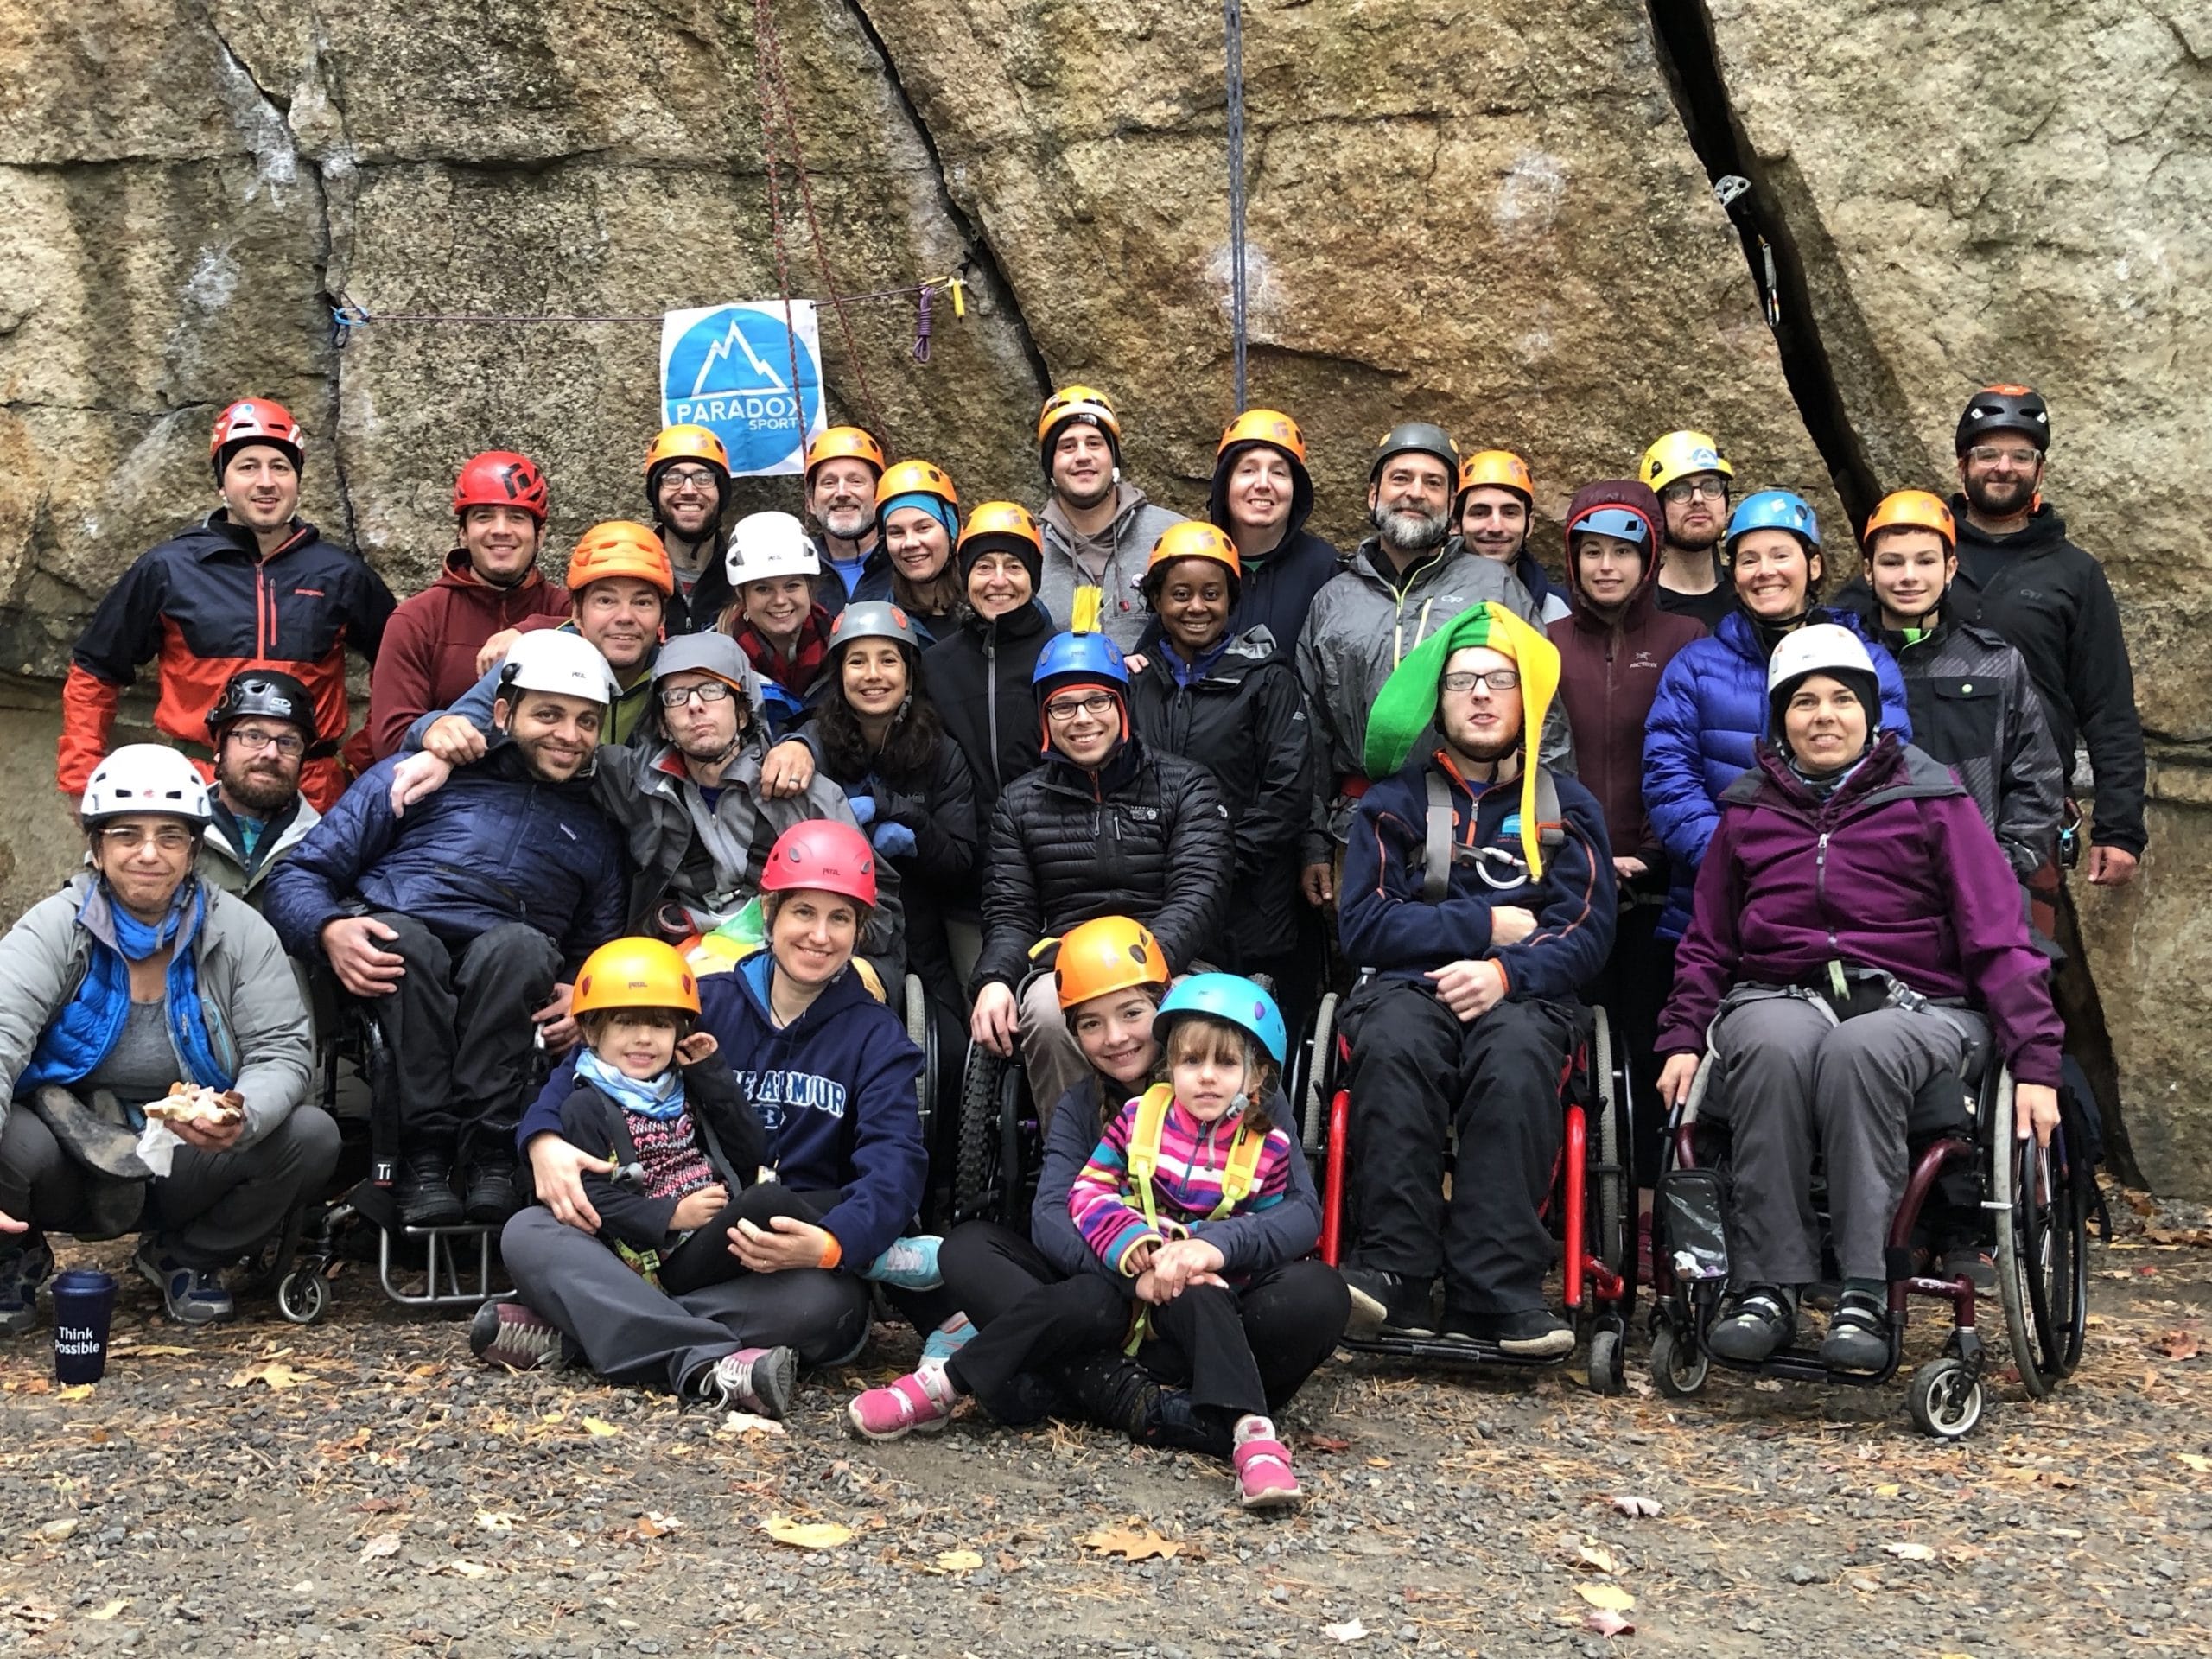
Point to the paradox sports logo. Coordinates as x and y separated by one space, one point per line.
728 367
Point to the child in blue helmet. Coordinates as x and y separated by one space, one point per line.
1167 1204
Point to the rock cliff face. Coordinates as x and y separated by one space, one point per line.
1498 216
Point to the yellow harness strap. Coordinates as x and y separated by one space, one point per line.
1238 1176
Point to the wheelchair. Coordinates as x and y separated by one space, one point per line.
2040 1199
1590 1209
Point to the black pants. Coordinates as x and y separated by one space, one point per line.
1417 1073
460 1029
1239 1351
1632 987
703 1258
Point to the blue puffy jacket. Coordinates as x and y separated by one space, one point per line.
495 845
1708 713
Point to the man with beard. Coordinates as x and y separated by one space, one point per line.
262 729
1404 583
1098 532
2020 578
1468 1007
466 919
1687 473
843 468
1496 505
687 490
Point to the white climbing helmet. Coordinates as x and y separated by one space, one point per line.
765 545
1823 648
145 778
552 659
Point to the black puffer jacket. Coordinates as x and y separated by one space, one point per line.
1145 836
978 676
1243 718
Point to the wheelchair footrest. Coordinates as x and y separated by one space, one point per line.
1448 1350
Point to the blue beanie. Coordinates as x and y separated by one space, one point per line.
934 506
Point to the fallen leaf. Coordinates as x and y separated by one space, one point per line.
744 1422
653 1524
102 1614
384 1544
1327 1443
1595 1555
1768 1385
1378 1463
1865 1584
1131 1545
55 1532
276 1374
1610 1597
1349 1630
496 1520
959 1560
819 1535
601 1428
2196 1460
379 1506
1910 1552
2174 1344
466 1569
30 1385
76 1391
30 1612
1635 1508
1606 1622
1888 1489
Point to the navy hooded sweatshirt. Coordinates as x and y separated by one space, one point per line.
834 1090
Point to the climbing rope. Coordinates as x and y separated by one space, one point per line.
1232 24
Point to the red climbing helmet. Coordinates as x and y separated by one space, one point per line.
500 477
824 855
255 420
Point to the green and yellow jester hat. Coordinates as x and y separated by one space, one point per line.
1406 704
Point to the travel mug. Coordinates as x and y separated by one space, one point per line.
84 1304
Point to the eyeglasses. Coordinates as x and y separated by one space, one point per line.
1498 680
678 479
1683 488
290 745
1989 455
675 696
129 838
1099 705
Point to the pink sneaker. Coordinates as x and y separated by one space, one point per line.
921 1401
1263 1477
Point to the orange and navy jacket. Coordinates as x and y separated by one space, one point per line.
1389 927
206 605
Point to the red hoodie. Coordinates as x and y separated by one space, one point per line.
1609 672
429 657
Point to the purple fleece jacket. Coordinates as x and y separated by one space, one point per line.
1896 870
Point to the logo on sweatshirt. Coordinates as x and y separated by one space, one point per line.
774 1094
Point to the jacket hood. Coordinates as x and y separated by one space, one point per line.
1301 492
839 997
1631 497
1031 619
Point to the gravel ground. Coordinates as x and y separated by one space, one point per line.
362 1488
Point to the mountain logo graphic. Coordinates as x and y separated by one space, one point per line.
728 368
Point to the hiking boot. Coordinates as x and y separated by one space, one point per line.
508 1334
192 1295
1858 1333
426 1195
1171 1420
1530 1333
907 1264
23 1270
97 1135
1757 1328
919 1403
757 1380
489 1195
1968 1262
1388 1302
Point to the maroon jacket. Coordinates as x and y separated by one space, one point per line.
1609 672
1896 871
429 656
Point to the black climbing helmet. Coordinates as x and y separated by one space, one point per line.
266 692
2006 409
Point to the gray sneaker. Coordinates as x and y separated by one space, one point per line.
757 1380
192 1295
23 1270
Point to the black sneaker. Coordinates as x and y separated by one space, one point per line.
1389 1303
23 1270
488 1196
1858 1333
426 1194
1758 1326
1172 1420
1530 1333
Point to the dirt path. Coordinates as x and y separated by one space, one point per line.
361 1487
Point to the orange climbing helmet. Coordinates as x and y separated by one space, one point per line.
916 477
842 442
1912 510
1190 538
619 548
1269 425
255 420
1084 404
635 973
686 442
1499 469
500 477
1105 955
1002 527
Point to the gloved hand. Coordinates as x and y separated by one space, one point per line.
893 840
863 809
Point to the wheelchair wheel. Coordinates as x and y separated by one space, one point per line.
1320 1059
1679 1366
976 1166
1945 1398
1614 1177
303 1296
921 1031
1608 1362
2041 1248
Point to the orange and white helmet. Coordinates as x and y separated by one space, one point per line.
255 420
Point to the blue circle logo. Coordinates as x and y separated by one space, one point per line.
731 372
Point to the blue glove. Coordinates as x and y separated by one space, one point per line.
893 840
863 809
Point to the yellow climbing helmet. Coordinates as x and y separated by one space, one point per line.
1678 455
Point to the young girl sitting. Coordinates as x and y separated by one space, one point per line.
1170 1205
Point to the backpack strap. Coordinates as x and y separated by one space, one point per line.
1436 846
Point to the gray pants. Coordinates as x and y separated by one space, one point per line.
1049 1055
211 1210
1793 1080
629 1331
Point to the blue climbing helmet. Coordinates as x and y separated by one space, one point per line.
1775 510
1231 999
1618 522
1089 657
